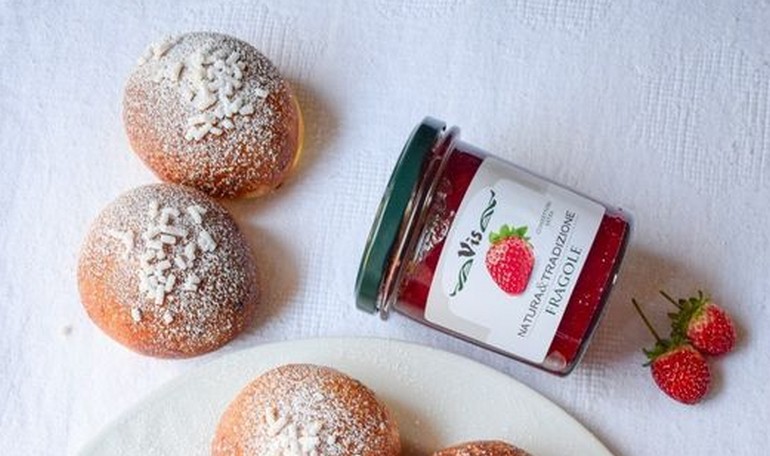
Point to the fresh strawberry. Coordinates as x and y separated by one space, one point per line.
510 259
681 372
678 369
706 325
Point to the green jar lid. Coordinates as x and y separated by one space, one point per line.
384 233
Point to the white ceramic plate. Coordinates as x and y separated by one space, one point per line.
438 399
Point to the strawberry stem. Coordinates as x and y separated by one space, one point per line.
646 321
670 299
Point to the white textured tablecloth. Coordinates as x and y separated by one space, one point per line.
660 107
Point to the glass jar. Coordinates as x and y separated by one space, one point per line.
479 248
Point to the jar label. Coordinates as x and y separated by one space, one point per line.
511 260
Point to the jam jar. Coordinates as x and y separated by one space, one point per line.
477 247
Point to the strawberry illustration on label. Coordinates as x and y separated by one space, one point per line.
510 259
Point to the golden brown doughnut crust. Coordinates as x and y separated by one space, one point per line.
482 448
247 152
325 410
190 318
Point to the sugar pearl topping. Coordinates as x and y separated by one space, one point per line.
288 438
157 50
147 283
210 80
162 269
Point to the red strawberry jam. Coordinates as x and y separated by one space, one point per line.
428 191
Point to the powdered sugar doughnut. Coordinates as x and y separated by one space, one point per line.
210 111
305 409
165 271
483 448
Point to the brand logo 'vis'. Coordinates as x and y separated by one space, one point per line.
469 246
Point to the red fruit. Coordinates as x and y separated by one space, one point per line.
510 259
706 325
678 369
682 373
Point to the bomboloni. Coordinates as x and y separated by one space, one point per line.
165 271
306 409
210 111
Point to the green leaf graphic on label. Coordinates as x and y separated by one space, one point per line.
468 247
486 216
506 232
462 277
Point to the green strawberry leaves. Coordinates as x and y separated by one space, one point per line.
688 310
506 232
662 346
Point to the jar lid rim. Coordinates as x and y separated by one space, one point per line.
387 223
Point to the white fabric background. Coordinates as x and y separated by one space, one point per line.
660 107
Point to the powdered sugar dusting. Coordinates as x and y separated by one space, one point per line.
189 300
289 438
212 84
307 410
126 237
162 233
217 109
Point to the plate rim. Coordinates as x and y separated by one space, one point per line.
186 376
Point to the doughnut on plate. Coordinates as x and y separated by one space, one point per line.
434 396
